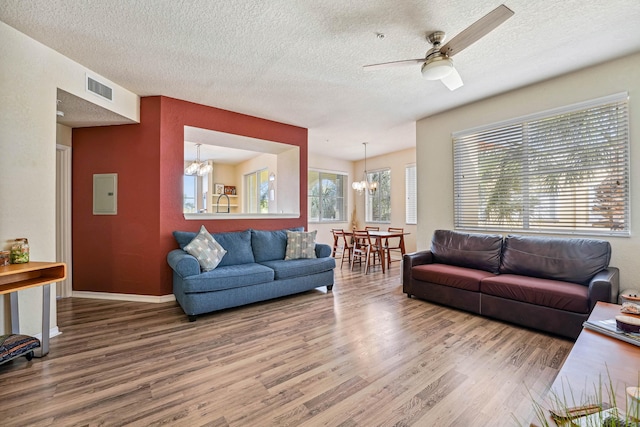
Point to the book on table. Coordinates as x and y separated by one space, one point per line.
608 327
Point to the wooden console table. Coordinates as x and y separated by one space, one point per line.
596 359
17 277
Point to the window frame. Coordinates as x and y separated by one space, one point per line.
344 197
191 196
376 196
543 150
256 192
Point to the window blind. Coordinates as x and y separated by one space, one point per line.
411 194
565 172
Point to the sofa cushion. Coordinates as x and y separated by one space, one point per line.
449 275
479 251
184 237
270 245
301 244
300 267
567 260
236 243
228 277
544 292
206 250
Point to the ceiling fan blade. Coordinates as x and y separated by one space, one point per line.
394 64
452 80
477 30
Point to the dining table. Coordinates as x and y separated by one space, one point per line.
379 236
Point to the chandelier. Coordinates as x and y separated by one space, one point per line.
363 185
197 167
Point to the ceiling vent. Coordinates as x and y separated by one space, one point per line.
99 89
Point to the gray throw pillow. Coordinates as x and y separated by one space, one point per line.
206 250
301 244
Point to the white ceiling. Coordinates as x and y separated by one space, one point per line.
300 62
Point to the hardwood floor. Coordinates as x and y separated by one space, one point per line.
362 355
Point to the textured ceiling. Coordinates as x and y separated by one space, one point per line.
300 62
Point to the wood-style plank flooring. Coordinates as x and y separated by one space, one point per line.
362 355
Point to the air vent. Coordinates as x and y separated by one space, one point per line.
99 89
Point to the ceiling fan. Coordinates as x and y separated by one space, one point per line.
437 63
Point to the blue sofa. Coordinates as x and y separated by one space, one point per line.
253 269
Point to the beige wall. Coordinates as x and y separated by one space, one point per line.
396 161
330 164
288 182
63 135
435 151
223 174
30 74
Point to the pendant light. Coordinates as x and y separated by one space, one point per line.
363 185
197 167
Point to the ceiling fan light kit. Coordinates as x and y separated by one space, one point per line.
437 68
437 63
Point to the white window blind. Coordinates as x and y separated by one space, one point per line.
411 194
566 171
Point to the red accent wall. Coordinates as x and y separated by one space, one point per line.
126 253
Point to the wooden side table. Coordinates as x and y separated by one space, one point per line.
17 277
595 359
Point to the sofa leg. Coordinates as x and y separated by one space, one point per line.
329 287
192 317
408 295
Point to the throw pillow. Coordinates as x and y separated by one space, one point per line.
207 251
301 244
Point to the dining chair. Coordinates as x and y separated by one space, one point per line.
393 245
372 228
337 249
347 247
365 249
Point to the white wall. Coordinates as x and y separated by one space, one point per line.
435 150
30 74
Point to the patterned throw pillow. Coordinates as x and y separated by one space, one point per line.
207 251
12 346
301 244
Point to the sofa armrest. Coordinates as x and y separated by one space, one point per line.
604 286
411 260
183 263
323 250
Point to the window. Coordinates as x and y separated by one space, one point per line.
327 196
562 171
256 186
411 194
189 194
378 205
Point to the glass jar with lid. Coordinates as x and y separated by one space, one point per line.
20 251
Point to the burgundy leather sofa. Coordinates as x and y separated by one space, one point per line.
549 284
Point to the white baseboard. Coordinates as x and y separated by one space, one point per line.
53 332
123 297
